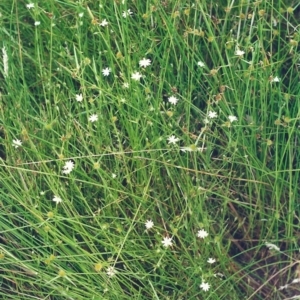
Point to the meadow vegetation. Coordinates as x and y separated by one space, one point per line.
149 149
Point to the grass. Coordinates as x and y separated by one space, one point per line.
236 180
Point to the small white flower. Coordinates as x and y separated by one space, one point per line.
68 167
113 175
173 139
232 118
239 52
201 64
275 79
167 242
204 286
106 71
145 62
149 224
173 100
57 199
212 114
37 23
111 271
16 143
211 260
125 85
103 23
272 246
79 98
127 13
80 15
136 76
30 5
93 118
202 234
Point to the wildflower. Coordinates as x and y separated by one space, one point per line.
136 76
103 23
239 52
127 13
125 85
211 260
212 114
275 79
16 143
272 246
79 98
200 64
172 139
149 224
204 286
167 242
80 15
30 5
93 118
202 234
5 61
111 271
173 100
113 175
232 118
37 23
106 71
68 167
145 62
57 199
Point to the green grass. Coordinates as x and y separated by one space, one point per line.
238 181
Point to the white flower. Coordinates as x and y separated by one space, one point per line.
136 76
111 271
127 13
57 199
68 167
272 246
212 114
173 100
30 5
149 224
106 71
201 64
275 79
37 23
125 85
167 242
239 52
80 15
113 175
103 23
79 98
145 62
173 140
202 234
204 286
211 260
93 118
16 143
232 118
